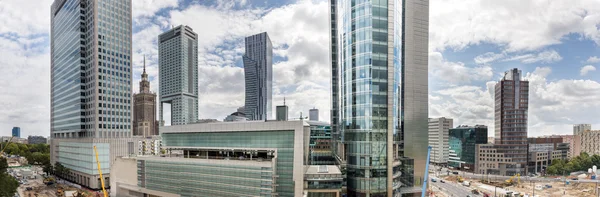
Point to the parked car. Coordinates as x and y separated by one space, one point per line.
442 181
455 172
433 180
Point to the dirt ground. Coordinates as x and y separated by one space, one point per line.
558 189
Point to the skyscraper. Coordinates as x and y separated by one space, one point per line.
281 112
144 109
439 130
258 71
379 93
16 132
178 74
90 85
313 114
580 128
512 103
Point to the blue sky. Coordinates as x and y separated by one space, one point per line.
472 42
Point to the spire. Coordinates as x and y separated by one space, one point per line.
144 64
284 101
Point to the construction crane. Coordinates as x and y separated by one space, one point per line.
2 151
424 190
100 172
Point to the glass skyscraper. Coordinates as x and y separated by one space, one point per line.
379 93
178 74
90 82
258 72
16 132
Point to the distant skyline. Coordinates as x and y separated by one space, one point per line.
472 42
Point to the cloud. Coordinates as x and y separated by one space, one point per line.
512 24
456 72
593 59
488 57
586 69
547 56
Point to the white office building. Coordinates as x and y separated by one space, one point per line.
580 128
438 139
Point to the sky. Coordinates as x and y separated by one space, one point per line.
556 44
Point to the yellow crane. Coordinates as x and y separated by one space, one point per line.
2 151
100 172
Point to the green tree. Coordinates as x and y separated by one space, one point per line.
3 164
48 168
552 170
596 160
8 184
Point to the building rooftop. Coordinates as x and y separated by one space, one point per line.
322 169
232 161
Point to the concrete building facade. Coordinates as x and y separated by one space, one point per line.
379 93
590 142
580 128
90 80
178 74
144 109
438 139
36 140
511 107
258 73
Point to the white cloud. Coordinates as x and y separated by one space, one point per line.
488 57
513 24
145 8
586 69
25 17
456 72
547 56
593 59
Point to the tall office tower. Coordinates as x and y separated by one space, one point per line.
281 112
258 71
313 114
90 85
178 74
580 128
379 90
439 130
512 95
16 132
144 109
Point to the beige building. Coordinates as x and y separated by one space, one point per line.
144 109
590 142
489 161
438 139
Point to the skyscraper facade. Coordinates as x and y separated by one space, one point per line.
512 103
438 139
258 72
379 93
580 128
313 114
90 85
178 74
144 109
16 132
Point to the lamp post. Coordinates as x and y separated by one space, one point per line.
533 189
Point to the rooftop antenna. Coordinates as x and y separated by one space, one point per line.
284 101
144 63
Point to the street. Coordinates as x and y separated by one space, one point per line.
453 189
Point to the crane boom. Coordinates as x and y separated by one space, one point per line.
100 172
424 190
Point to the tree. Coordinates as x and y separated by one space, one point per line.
48 168
59 169
8 184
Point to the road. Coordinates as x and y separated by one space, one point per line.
453 189
444 171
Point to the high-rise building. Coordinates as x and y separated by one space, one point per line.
258 73
178 74
438 139
237 116
463 140
379 93
281 113
512 99
90 85
313 114
16 132
144 109
580 128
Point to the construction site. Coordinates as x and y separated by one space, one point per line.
517 186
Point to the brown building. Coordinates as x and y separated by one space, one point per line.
144 109
511 106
